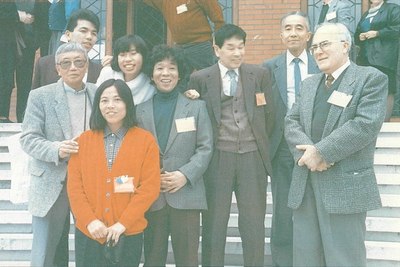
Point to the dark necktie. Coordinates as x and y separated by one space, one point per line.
232 75
322 16
329 81
297 75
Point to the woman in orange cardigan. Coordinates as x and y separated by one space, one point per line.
112 181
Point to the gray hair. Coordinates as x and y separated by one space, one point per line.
297 13
342 30
70 47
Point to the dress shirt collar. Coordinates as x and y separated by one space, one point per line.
224 70
303 57
69 89
120 134
340 70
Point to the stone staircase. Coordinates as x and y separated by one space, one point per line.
383 225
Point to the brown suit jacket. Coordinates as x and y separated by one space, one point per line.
46 73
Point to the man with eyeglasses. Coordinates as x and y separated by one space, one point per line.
83 27
288 69
55 115
331 131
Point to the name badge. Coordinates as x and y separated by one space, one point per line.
185 125
123 184
331 16
339 99
260 99
181 9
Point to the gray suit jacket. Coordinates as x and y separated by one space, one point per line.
46 124
348 141
189 152
343 9
254 80
277 66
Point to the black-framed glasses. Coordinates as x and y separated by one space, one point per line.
323 46
79 63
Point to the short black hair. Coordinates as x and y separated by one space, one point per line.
125 44
82 14
296 13
97 121
173 53
228 31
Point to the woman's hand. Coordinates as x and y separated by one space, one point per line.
368 35
192 94
97 229
114 232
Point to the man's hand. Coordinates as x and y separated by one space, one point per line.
97 229
68 147
368 35
25 18
172 181
115 231
192 94
312 159
106 60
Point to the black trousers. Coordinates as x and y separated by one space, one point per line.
7 68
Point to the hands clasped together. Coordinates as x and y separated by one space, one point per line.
172 181
312 159
98 229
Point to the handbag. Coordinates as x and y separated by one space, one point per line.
113 251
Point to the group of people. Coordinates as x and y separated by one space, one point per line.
137 160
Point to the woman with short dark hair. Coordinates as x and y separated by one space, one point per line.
112 181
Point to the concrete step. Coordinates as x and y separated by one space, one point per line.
387 156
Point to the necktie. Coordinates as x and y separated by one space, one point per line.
322 16
232 75
297 75
329 81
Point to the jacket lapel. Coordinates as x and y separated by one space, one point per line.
181 111
214 87
312 65
280 77
335 111
308 93
248 88
62 110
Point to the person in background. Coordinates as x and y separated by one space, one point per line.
55 115
8 50
331 132
112 180
288 69
129 59
334 11
59 14
184 135
378 35
239 103
189 23
83 27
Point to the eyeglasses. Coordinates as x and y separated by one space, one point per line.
79 63
323 46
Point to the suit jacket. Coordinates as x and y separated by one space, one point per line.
189 152
343 10
46 72
348 141
46 123
382 50
254 80
277 66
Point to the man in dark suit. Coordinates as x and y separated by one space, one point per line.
331 131
83 27
295 33
238 98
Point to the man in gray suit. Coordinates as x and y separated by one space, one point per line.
334 11
55 115
331 131
295 33
239 102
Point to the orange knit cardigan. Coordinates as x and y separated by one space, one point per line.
91 184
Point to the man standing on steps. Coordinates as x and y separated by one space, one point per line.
288 69
331 131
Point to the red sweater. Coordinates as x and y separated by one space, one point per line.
91 184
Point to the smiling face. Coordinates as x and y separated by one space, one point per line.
73 74
232 52
113 108
165 75
130 63
295 34
84 33
335 51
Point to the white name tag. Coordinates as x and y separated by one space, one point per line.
185 125
331 16
181 9
339 99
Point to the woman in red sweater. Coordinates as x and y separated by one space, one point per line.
112 181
